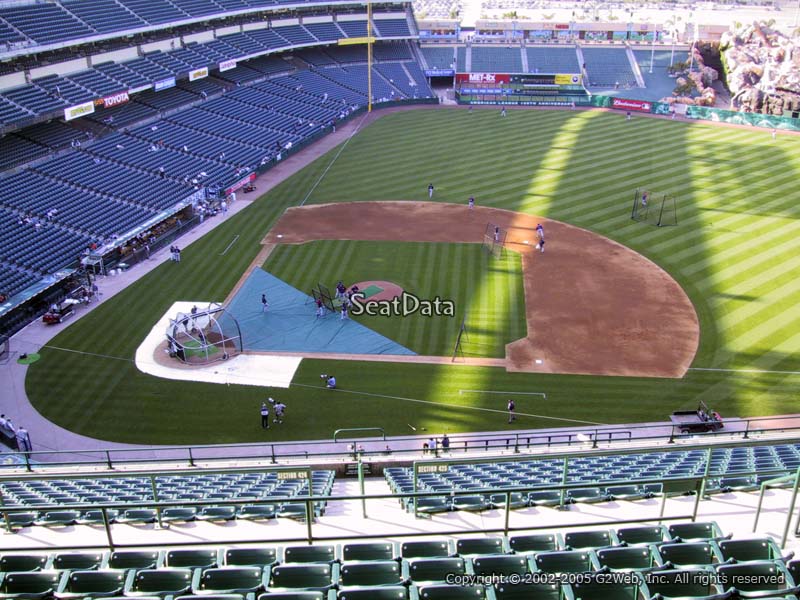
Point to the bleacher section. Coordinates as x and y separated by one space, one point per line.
257 487
608 67
438 58
48 96
609 474
682 560
496 60
107 186
552 60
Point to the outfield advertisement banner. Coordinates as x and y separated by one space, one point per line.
79 110
198 74
164 84
483 78
638 105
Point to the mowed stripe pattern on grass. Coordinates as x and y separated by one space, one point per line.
734 251
486 291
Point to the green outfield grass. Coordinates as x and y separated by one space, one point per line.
487 292
736 251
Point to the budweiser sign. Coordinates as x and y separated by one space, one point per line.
115 99
624 104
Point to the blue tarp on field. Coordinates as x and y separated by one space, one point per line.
291 325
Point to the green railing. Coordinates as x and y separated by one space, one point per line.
696 484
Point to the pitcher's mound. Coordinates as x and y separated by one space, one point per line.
378 290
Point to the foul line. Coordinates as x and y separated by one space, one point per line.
542 394
458 406
328 168
229 245
745 371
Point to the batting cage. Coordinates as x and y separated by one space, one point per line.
655 208
494 239
203 336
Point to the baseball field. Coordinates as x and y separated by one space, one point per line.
734 252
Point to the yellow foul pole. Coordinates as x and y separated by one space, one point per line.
369 56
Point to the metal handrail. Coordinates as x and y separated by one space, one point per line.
309 501
511 441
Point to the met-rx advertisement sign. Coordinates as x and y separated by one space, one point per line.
482 78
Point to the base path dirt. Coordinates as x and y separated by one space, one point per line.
593 306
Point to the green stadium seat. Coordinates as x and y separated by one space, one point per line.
58 518
480 546
255 512
500 565
567 561
516 500
435 569
75 561
470 502
593 588
528 591
321 577
545 498
192 558
371 573
133 559
793 568
80 584
300 595
22 562
681 583
95 517
650 534
217 597
687 554
138 516
230 580
293 510
580 540
18 520
369 551
764 577
433 504
592 494
31 585
747 550
540 542
217 513
625 492
159 582
695 531
250 557
178 514
321 553
426 549
451 592
390 592
631 558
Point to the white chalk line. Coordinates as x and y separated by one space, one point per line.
328 168
542 394
233 241
456 406
756 371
